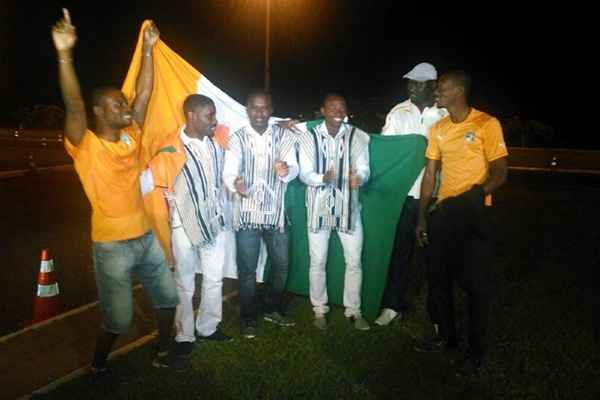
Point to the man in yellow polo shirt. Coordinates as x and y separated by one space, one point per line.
468 147
108 164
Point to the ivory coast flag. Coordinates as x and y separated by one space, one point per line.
395 163
174 80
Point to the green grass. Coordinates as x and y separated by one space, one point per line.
543 340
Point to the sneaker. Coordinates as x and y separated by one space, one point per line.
469 366
216 336
278 319
360 323
387 317
168 359
249 330
320 322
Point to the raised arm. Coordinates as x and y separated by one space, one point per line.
64 38
145 79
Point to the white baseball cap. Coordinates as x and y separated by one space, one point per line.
422 72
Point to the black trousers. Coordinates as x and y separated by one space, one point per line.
394 296
459 250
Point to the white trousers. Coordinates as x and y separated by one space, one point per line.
211 262
352 244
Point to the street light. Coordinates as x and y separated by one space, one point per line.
268 47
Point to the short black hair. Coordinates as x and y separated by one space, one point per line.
330 96
259 93
461 78
194 101
100 93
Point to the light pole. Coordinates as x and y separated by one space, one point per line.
268 47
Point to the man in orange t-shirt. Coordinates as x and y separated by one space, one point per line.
108 164
468 147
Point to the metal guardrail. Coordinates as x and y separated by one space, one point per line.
554 160
519 159
37 170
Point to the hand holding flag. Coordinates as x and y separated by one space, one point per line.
151 36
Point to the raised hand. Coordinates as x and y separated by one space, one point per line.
64 35
151 35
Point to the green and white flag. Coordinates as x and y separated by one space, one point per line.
395 163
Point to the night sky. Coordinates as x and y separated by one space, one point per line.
360 48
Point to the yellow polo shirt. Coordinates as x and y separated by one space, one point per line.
109 173
465 150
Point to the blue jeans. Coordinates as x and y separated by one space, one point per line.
114 263
248 246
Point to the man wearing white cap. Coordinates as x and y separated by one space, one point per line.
413 116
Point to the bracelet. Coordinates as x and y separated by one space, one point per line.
65 60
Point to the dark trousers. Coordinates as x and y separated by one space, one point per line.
459 251
248 247
394 296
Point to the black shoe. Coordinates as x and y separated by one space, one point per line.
102 381
183 349
278 319
469 366
435 345
168 359
249 329
216 336
101 377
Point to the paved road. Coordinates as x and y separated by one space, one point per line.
51 211
48 210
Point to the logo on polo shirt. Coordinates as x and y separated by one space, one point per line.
126 139
470 137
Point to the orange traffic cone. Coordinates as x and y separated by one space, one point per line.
47 303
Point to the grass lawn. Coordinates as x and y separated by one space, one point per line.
543 339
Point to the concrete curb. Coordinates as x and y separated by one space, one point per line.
558 170
54 319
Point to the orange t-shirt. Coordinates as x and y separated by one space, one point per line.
465 150
109 173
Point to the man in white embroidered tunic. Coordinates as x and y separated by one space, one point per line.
201 236
259 163
334 163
